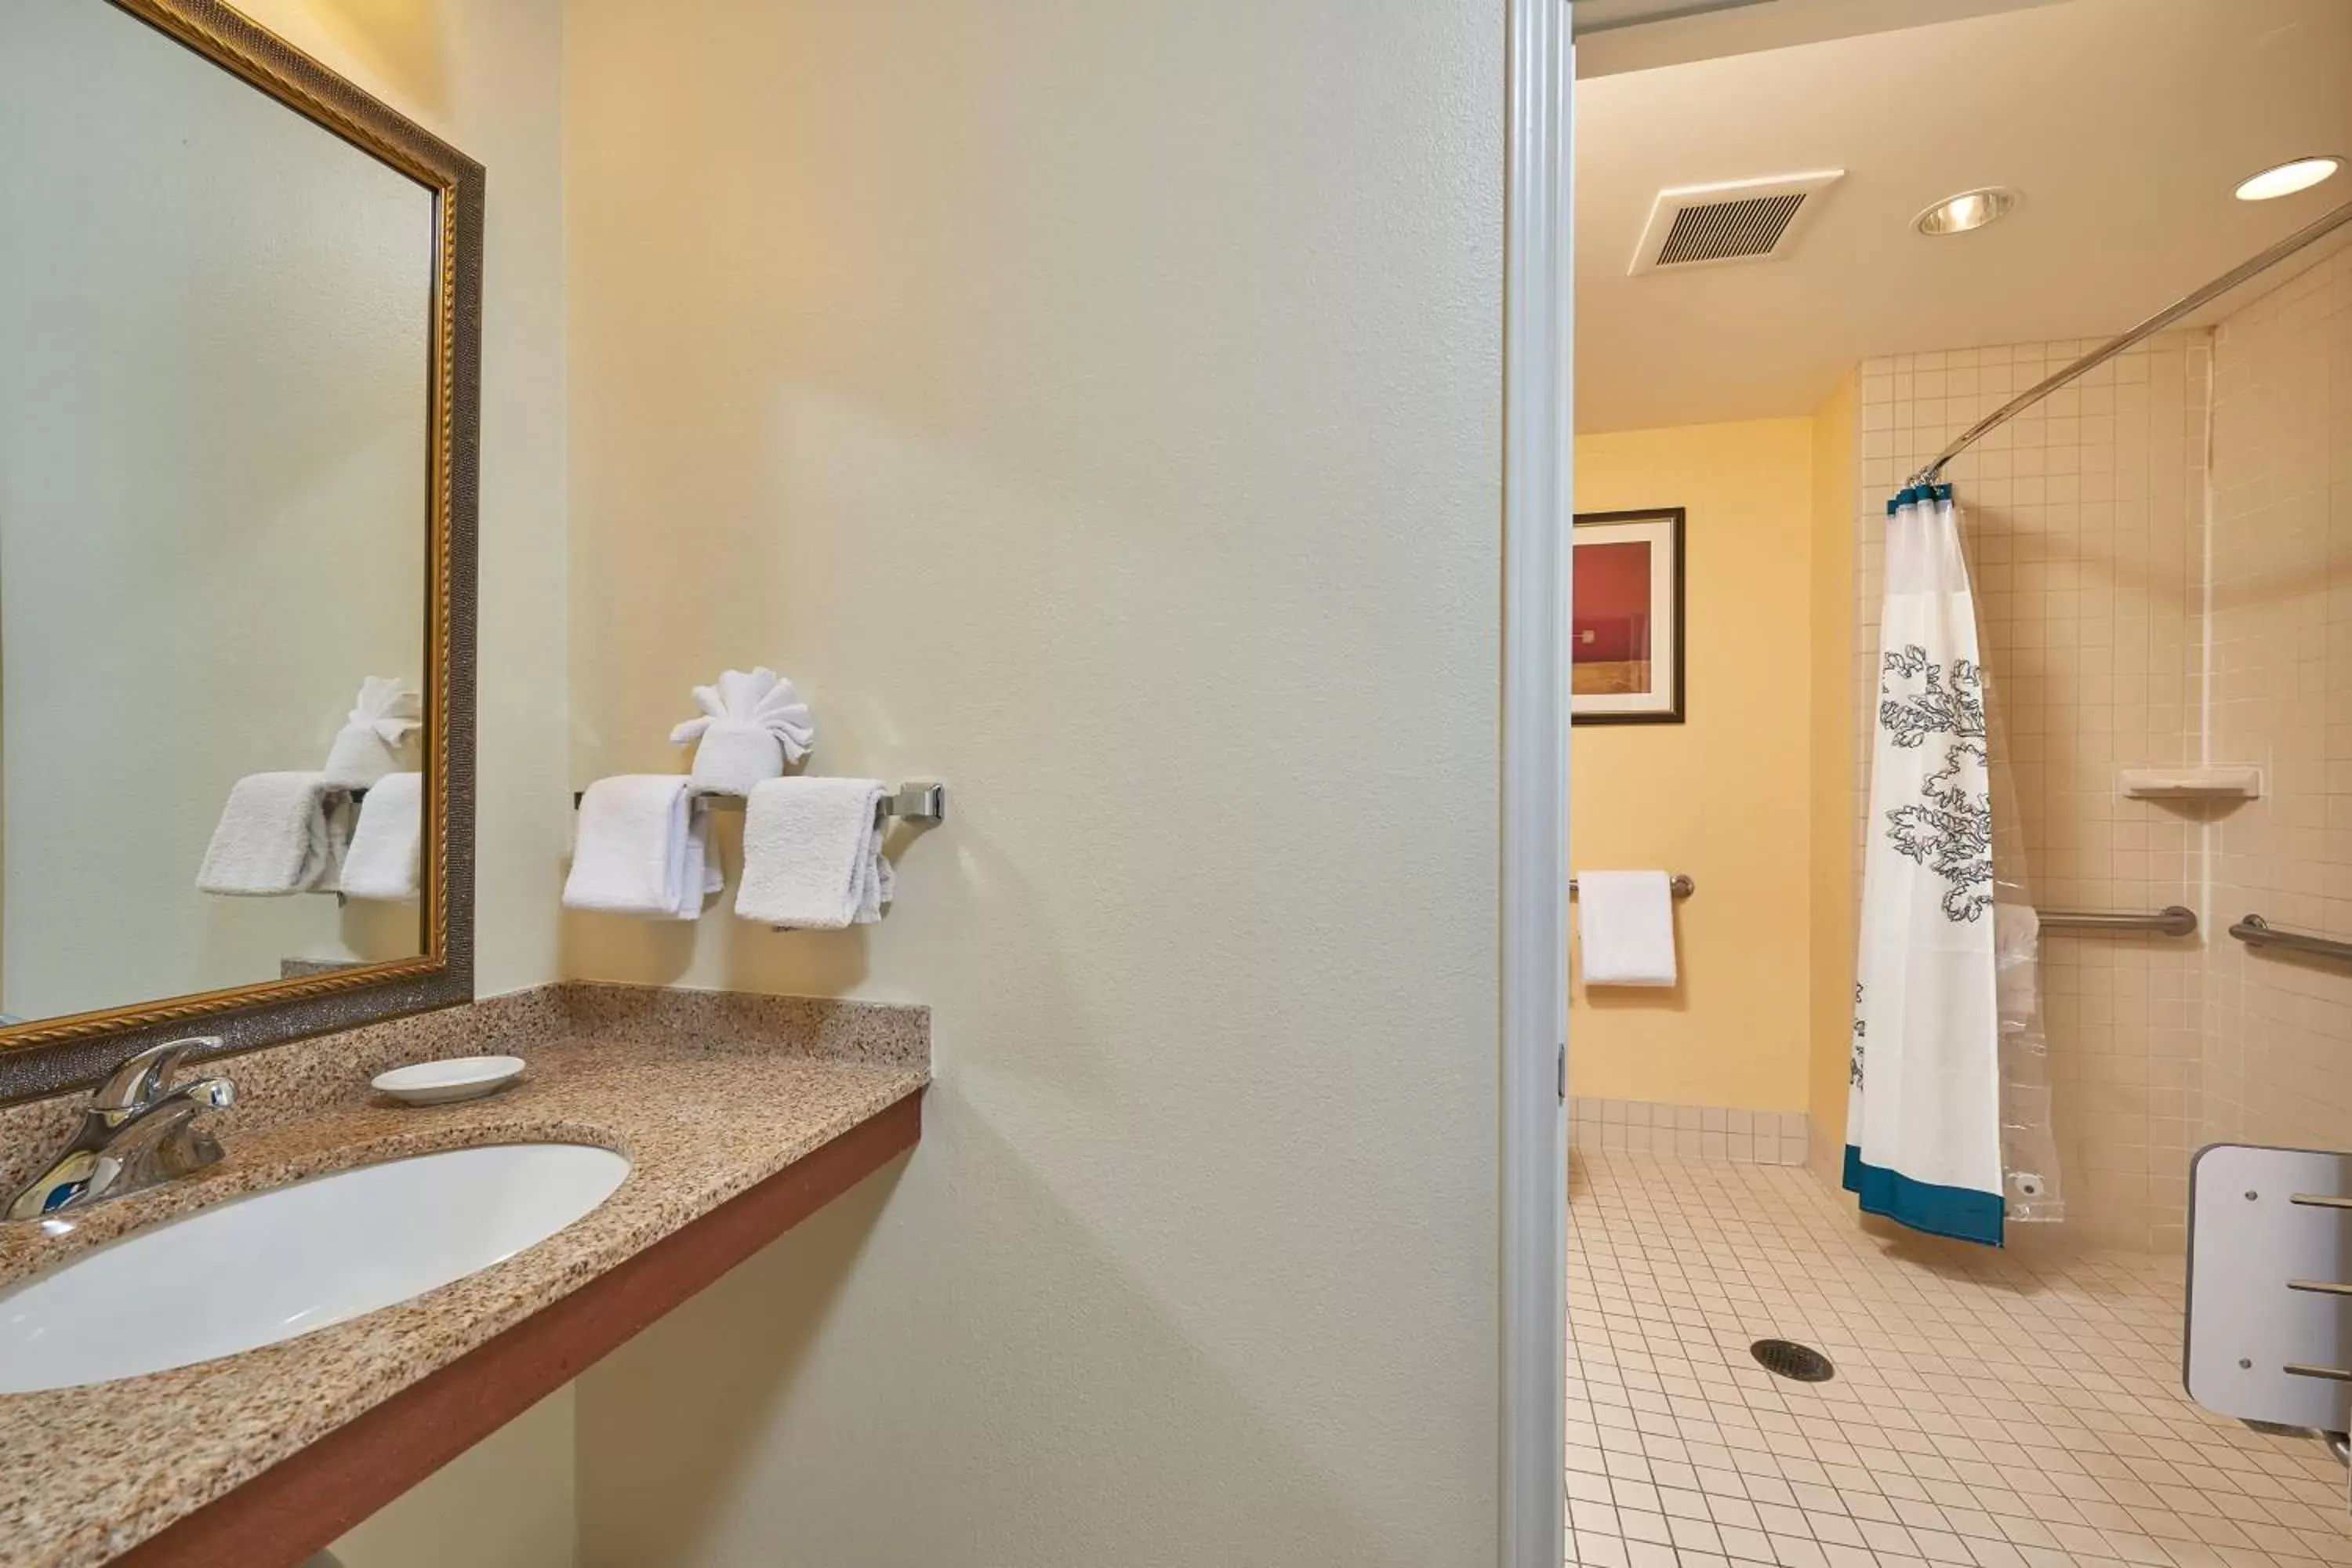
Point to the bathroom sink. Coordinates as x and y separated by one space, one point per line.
291 1260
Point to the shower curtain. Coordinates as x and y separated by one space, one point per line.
1924 1109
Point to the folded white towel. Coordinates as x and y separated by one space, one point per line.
369 745
277 836
753 722
1626 920
812 854
643 848
381 860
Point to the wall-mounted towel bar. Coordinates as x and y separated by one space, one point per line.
2256 931
2174 920
1680 885
926 801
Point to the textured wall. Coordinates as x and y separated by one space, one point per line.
1097 409
1723 796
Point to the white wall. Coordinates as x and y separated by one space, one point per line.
213 410
1097 409
485 74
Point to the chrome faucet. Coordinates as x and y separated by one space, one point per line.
137 1132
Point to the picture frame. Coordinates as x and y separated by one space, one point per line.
1626 619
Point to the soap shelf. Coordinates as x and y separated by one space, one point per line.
2200 782
924 802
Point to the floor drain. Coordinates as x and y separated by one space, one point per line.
1785 1358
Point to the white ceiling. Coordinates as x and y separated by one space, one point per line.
2124 123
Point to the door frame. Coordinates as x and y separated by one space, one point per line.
1538 452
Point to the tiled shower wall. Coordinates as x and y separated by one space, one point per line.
2141 609
2085 521
2278 1032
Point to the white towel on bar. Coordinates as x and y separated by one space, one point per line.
278 834
753 722
643 848
369 745
382 861
1626 921
812 854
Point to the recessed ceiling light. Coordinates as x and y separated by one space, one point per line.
2300 175
1969 209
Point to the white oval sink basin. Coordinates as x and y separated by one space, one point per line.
291 1260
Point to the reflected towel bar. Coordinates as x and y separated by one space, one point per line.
1682 887
926 801
2256 931
2174 920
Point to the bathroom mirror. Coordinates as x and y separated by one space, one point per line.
237 348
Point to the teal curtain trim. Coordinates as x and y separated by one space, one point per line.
1961 1212
1911 493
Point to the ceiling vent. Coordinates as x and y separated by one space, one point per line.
1737 220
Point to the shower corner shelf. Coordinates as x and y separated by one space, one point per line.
2208 782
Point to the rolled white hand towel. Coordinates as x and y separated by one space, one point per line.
812 854
753 722
1626 923
368 746
277 836
381 860
643 848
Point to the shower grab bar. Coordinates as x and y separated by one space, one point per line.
2256 931
1682 887
2174 920
2319 228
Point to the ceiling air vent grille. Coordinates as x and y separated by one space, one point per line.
1728 231
1742 220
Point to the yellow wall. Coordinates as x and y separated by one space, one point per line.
1723 796
1097 408
1836 481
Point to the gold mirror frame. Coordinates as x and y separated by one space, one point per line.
51 1054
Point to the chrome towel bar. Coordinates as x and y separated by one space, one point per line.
924 802
2256 931
2174 920
1682 887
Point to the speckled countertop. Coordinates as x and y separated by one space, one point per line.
707 1093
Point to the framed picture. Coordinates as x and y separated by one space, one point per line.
1625 659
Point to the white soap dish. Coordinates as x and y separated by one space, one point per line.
2230 781
459 1077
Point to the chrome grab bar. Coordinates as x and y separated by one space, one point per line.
2174 920
1680 885
2256 931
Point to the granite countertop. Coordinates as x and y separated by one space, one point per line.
706 1094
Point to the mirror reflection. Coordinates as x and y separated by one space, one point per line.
215 334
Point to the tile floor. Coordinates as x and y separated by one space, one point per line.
1991 1410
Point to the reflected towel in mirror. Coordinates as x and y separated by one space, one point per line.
386 713
279 834
382 861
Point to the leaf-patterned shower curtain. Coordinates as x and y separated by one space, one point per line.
1923 1123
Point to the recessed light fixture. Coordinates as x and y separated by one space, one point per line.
2297 175
1969 209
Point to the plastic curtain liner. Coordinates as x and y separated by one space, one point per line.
1948 1114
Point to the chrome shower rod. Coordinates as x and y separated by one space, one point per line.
2320 228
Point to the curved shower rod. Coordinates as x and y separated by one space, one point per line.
2310 232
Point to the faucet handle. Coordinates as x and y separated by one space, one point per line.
139 1080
